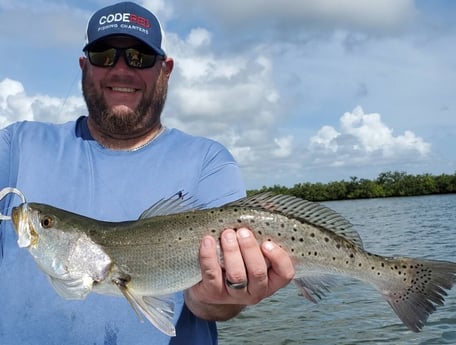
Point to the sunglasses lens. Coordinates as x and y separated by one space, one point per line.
139 59
102 58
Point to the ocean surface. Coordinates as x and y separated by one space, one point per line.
353 312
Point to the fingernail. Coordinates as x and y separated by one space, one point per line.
244 233
207 242
229 236
269 246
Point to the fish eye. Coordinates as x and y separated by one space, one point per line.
46 222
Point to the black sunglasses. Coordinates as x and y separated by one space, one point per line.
136 57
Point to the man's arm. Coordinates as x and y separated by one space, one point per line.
266 267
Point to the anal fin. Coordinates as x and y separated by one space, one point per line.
314 287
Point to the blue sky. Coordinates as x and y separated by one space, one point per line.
298 90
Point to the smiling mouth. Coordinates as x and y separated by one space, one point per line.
123 89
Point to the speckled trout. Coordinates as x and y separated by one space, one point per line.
148 259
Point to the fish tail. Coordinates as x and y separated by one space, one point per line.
420 286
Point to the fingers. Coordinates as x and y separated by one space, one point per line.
244 263
282 269
232 258
211 271
250 273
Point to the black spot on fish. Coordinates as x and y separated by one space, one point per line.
326 239
239 221
213 231
293 238
260 233
312 235
267 224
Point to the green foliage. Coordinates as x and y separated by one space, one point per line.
387 184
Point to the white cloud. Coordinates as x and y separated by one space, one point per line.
364 138
161 8
285 147
232 98
377 15
16 105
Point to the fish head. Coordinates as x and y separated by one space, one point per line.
55 245
40 225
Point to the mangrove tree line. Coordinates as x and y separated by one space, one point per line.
387 184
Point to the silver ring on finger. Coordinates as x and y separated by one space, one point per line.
237 286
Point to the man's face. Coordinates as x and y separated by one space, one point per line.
124 101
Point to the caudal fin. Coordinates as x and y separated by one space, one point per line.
421 287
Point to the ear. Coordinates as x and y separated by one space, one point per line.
82 61
168 65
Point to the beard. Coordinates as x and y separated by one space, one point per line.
124 121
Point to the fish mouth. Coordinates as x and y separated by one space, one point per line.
26 235
16 217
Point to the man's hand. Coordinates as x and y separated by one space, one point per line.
262 269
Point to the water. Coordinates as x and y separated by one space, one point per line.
354 313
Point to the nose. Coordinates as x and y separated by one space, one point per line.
121 62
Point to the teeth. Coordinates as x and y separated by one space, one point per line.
123 89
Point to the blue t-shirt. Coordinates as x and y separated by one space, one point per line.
63 166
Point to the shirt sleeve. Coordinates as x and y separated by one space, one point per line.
5 145
5 166
221 179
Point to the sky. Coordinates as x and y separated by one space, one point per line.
298 90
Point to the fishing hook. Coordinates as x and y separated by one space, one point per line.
8 190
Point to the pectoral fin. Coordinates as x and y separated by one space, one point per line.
75 288
159 310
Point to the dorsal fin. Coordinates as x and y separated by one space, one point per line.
304 211
179 202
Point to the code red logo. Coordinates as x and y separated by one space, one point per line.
126 18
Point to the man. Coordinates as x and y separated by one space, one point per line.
112 165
